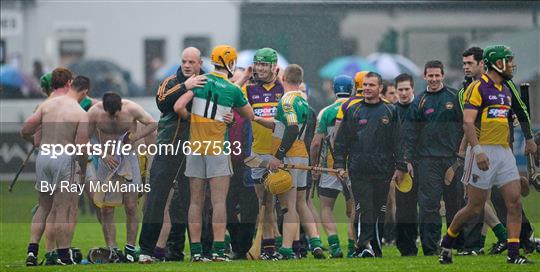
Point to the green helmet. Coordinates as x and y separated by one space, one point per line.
266 54
46 82
496 52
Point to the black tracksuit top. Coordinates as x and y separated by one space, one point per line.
433 126
367 138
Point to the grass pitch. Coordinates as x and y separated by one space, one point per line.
15 217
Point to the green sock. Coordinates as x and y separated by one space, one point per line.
129 248
227 240
218 247
279 241
333 241
52 255
482 240
196 248
287 252
34 209
500 232
315 242
350 248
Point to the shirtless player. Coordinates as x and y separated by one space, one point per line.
62 122
116 119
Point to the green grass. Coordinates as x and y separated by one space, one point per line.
15 216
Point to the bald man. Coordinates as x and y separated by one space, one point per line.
167 168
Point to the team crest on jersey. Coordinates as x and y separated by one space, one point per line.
385 120
475 178
278 96
449 105
362 121
429 111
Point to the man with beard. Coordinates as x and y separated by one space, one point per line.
263 94
489 160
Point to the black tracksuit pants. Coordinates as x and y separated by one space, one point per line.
431 188
370 194
178 211
162 174
407 221
242 210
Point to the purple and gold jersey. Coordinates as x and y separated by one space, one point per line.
342 111
493 102
263 98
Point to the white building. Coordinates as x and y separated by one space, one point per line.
129 33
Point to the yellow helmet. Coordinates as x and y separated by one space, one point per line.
278 182
224 56
359 79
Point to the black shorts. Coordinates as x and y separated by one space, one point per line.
328 192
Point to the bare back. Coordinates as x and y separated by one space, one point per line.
60 119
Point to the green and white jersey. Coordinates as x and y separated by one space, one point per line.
326 125
326 120
292 109
210 103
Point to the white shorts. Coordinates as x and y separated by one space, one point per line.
257 173
299 176
330 182
502 168
206 166
127 169
52 171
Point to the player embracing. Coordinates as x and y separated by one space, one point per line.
209 160
288 147
263 95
